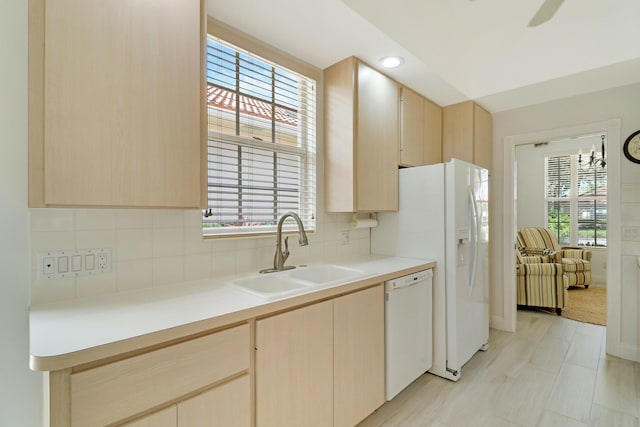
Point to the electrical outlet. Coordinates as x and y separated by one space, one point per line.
101 261
48 265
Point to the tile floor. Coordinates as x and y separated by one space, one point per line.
552 372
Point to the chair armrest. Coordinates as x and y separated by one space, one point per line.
540 269
576 252
547 255
535 259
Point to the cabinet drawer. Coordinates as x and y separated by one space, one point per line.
112 392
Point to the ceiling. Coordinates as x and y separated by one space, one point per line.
456 50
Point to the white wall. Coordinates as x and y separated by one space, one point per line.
20 388
601 106
530 196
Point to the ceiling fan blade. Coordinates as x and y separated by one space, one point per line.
546 12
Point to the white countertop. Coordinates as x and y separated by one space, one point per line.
71 327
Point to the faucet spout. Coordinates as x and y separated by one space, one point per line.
281 256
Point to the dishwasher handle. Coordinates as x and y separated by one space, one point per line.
408 280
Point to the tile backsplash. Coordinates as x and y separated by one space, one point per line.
164 247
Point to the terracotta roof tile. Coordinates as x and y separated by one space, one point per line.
225 99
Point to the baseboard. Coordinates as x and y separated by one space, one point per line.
500 324
629 352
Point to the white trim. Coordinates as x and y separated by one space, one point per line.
628 351
573 199
500 324
612 128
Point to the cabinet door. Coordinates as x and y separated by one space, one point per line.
358 375
432 133
411 128
377 141
339 144
122 103
294 368
483 137
457 132
164 418
109 393
228 405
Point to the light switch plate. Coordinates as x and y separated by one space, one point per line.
73 263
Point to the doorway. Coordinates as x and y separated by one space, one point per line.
561 185
612 129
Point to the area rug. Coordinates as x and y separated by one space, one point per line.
587 305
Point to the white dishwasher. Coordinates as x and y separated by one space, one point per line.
408 329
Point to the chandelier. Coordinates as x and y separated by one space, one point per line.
593 161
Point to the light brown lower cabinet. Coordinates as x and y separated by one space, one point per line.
227 405
192 375
358 348
323 364
167 417
318 365
294 368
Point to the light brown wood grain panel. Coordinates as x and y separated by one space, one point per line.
411 128
167 417
122 389
36 103
457 132
482 137
294 368
122 103
432 133
59 398
358 374
227 405
377 141
339 115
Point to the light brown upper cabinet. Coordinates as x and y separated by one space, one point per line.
432 133
467 134
411 128
420 130
361 138
116 106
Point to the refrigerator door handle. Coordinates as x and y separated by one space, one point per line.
474 240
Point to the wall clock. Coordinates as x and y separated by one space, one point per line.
631 147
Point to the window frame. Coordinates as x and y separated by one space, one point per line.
307 153
574 199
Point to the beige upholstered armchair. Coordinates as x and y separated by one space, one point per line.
576 262
540 283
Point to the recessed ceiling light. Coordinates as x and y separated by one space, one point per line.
391 61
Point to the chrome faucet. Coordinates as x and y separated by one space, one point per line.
281 256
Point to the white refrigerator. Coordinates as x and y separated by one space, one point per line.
443 215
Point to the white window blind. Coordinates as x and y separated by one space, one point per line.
261 150
576 201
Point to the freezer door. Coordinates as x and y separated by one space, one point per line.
467 262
